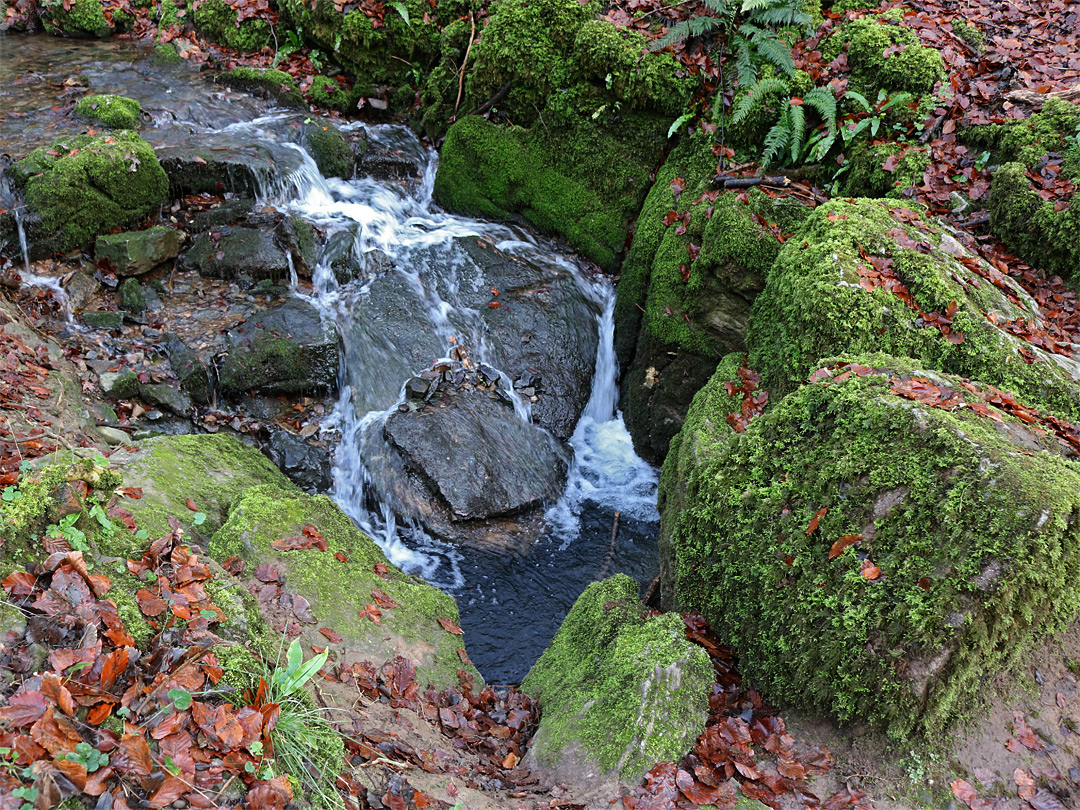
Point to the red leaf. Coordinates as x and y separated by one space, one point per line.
451 627
373 613
332 635
845 541
818 515
191 505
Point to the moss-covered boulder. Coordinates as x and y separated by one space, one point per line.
340 583
698 261
884 54
217 20
868 177
211 470
132 253
618 693
874 275
584 184
266 82
81 19
326 92
114 112
330 150
879 544
82 185
1041 231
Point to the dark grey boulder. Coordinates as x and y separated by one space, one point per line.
164 396
258 249
205 170
188 369
307 465
285 349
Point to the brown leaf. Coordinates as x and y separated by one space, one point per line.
191 505
845 541
332 635
373 613
818 515
131 758
451 627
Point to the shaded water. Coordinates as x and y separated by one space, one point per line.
511 603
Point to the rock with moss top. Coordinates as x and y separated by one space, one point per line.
339 583
877 275
618 693
868 177
266 82
83 185
886 55
330 150
220 22
114 112
948 546
686 291
81 19
132 253
326 92
211 470
165 56
286 349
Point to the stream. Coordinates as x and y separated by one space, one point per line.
511 600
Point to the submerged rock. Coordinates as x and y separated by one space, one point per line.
479 456
274 84
879 544
618 693
83 185
189 370
285 349
274 528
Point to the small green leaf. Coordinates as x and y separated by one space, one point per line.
209 615
198 519
679 123
404 12
171 766
181 699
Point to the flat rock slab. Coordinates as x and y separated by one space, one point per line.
481 459
133 253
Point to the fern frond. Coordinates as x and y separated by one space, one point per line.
745 68
783 16
797 119
720 6
774 49
686 29
823 100
777 140
755 93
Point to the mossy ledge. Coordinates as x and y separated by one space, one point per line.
974 524
114 112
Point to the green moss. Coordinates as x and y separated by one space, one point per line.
914 69
167 14
210 469
630 691
83 19
81 186
814 306
218 20
584 184
241 668
329 150
275 84
938 495
116 112
969 33
328 93
164 56
338 591
1051 130
867 178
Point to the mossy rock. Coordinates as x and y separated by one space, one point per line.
914 68
329 149
165 56
815 305
689 311
585 185
82 186
210 469
867 177
971 522
338 591
114 112
266 82
618 692
83 19
217 20
326 92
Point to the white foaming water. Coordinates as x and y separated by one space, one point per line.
31 279
400 221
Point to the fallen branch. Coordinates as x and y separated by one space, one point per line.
1021 96
491 102
464 62
748 182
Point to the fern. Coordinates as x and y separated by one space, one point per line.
778 139
797 121
771 47
823 100
757 92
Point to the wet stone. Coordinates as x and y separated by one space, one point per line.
162 395
133 253
307 465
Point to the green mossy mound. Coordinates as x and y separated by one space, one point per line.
329 150
274 84
585 185
815 305
338 591
114 112
617 690
866 176
914 68
82 186
211 470
974 525
83 19
1029 225
217 20
165 56
326 92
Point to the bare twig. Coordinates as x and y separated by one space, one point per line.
464 62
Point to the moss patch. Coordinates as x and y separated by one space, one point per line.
866 176
218 21
83 19
338 591
114 112
275 84
329 150
915 68
814 306
628 691
82 186
976 542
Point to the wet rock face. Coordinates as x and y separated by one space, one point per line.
136 252
478 456
204 170
307 465
286 349
251 248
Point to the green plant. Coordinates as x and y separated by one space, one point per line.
66 529
87 756
293 41
786 141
